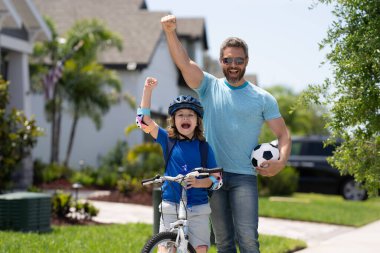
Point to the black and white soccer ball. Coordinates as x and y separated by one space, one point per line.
265 152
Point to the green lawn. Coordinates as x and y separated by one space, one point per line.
131 237
321 208
107 238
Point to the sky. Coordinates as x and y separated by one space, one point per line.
283 36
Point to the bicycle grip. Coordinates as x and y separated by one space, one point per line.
146 181
213 170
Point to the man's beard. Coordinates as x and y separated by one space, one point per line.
233 80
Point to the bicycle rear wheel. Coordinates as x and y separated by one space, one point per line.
167 242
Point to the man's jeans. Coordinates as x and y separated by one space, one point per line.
234 214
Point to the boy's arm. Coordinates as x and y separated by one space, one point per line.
214 182
143 118
191 72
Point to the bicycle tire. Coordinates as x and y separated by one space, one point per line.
164 237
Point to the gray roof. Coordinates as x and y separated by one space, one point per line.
139 28
192 28
21 19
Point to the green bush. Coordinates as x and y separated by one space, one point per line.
128 184
45 173
83 177
18 135
115 156
55 171
144 160
84 210
61 203
103 177
64 207
122 168
284 183
107 177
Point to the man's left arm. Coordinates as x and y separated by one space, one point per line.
279 128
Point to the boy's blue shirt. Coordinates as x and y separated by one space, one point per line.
184 158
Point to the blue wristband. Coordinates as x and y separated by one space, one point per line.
143 111
214 182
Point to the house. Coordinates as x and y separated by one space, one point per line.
145 54
21 25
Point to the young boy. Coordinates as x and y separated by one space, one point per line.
186 126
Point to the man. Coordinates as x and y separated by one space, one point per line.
234 113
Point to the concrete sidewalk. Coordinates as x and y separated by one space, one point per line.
364 240
321 238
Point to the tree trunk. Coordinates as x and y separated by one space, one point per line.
53 157
71 139
56 125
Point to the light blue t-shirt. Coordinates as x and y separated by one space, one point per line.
233 119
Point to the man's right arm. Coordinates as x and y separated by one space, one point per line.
191 72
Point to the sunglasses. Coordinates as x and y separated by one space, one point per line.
236 60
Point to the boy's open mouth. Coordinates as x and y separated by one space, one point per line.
185 125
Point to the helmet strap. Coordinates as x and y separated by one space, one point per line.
184 136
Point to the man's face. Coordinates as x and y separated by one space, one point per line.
234 63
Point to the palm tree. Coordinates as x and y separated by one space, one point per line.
87 84
45 54
83 84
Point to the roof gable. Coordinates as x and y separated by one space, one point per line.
192 28
139 28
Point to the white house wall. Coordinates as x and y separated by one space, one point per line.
18 76
89 144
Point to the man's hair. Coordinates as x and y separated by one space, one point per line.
173 131
234 42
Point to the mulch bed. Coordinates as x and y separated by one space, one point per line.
141 198
62 184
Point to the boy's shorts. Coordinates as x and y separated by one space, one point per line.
197 220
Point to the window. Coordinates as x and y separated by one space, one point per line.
313 148
318 149
296 148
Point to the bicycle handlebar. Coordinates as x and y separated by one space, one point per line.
145 181
213 170
179 178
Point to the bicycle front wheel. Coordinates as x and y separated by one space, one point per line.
164 242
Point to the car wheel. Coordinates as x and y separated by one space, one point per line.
351 190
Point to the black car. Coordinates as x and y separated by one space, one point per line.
308 156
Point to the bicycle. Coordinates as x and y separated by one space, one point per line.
176 240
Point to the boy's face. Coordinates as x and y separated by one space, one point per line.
185 122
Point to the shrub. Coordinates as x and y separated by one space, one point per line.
115 156
283 184
64 207
107 177
82 177
45 173
18 135
145 160
128 184
61 204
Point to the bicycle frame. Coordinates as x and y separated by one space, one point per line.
180 226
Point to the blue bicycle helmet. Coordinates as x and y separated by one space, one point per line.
186 102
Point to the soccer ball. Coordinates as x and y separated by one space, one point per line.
264 152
